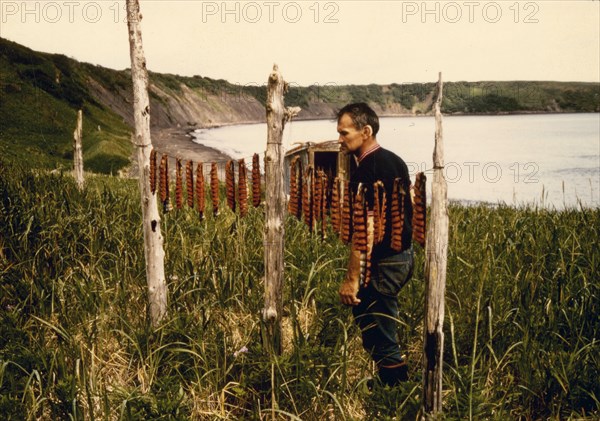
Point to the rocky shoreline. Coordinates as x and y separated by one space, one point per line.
177 142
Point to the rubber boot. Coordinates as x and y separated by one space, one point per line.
392 376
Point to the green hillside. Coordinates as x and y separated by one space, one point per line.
511 97
41 94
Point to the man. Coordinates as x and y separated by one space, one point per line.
375 305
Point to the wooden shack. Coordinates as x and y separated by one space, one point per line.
325 156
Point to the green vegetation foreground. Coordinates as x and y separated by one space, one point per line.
522 315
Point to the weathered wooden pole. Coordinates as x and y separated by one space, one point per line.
277 116
153 240
435 273
78 151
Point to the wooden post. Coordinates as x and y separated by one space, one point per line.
78 151
277 116
153 240
435 273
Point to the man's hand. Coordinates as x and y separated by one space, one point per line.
348 292
349 288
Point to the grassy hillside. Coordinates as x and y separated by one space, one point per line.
522 326
41 93
510 97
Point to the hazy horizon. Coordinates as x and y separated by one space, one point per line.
340 84
342 42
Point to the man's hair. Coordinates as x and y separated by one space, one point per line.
362 115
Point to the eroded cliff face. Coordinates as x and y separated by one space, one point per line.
187 107
193 108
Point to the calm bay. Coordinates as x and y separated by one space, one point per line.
548 160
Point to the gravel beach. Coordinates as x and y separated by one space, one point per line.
177 142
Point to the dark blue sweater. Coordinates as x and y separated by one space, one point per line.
385 166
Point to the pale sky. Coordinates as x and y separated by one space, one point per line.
335 42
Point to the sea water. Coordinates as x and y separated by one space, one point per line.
549 160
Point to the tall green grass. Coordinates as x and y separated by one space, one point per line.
521 328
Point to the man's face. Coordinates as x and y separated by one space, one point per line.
351 138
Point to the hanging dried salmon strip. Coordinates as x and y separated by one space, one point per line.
346 229
200 190
214 188
420 209
324 189
230 184
398 196
335 205
242 187
307 195
189 183
297 205
379 211
318 196
178 184
153 171
164 178
360 239
301 189
255 181
293 208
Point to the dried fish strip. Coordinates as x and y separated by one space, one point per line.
398 196
360 238
230 184
317 198
294 205
323 204
164 179
420 209
200 190
178 184
379 211
346 229
255 181
242 188
189 183
214 188
336 216
307 196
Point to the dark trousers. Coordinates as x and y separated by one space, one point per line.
377 313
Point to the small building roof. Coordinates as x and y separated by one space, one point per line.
323 146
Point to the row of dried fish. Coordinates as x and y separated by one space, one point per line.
312 198
236 193
309 196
